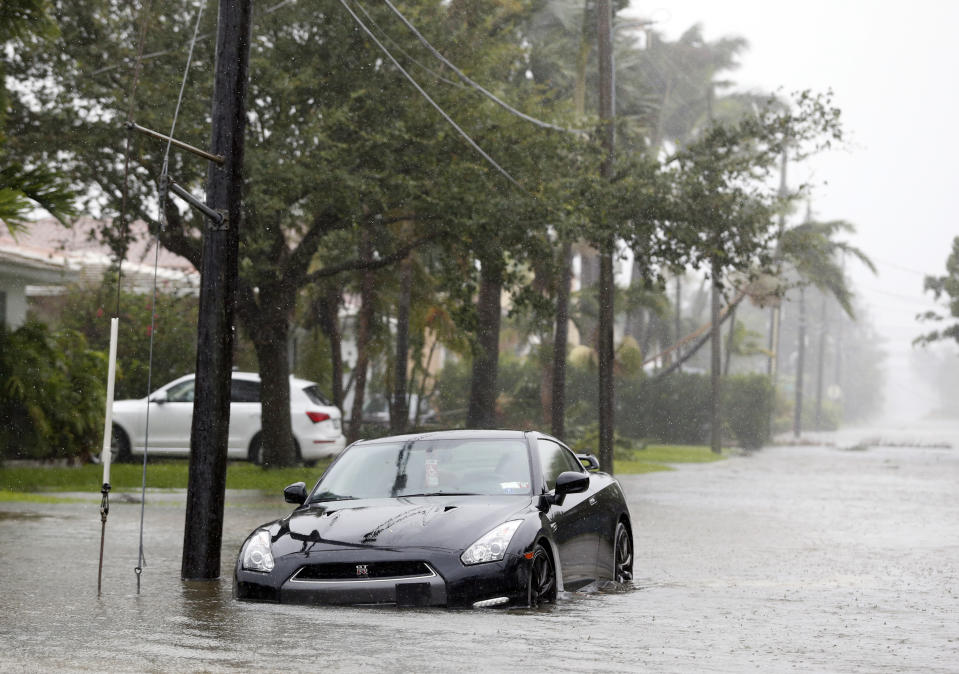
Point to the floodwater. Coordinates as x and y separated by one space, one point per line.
815 558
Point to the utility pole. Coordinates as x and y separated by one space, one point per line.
800 364
818 422
203 531
604 22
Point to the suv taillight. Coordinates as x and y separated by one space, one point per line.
317 417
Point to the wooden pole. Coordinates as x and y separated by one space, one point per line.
206 489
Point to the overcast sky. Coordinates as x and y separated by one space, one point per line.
892 69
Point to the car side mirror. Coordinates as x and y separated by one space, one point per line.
159 397
571 482
590 462
295 493
568 482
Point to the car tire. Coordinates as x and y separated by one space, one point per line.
119 446
622 554
256 451
541 588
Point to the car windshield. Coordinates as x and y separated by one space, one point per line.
428 467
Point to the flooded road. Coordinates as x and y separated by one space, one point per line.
795 558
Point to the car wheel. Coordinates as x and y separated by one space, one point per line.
542 578
256 451
119 446
622 554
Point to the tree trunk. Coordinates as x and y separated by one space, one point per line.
364 332
482 403
329 310
821 364
400 413
800 364
560 344
582 60
679 318
269 333
715 411
729 341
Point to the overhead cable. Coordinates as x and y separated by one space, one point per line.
436 106
405 53
475 85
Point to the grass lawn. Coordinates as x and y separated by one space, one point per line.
659 457
38 483
161 474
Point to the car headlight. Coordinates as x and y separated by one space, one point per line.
257 555
491 547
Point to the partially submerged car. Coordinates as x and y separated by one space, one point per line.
316 423
451 518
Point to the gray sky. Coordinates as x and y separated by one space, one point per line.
892 69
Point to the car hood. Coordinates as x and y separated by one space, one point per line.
448 522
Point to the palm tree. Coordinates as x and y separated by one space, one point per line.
22 188
812 251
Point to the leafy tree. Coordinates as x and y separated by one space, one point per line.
943 287
725 204
339 148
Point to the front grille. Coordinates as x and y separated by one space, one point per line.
371 571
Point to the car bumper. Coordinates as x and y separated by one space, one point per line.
445 581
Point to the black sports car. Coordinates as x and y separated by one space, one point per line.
454 518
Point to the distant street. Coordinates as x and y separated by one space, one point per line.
814 558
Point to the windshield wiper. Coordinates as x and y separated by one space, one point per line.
443 493
327 496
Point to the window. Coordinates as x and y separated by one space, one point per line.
313 393
244 391
181 393
555 459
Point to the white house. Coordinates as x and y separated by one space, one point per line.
47 256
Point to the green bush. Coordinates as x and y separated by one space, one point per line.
88 310
52 394
673 409
747 408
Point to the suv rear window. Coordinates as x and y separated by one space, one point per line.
313 393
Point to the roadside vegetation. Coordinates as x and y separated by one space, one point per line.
39 483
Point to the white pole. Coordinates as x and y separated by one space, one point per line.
106 455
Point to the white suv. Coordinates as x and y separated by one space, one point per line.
316 423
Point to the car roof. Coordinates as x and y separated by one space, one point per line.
451 435
255 376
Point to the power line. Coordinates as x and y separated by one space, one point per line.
475 85
405 53
900 267
435 105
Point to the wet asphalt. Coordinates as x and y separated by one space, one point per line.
841 558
